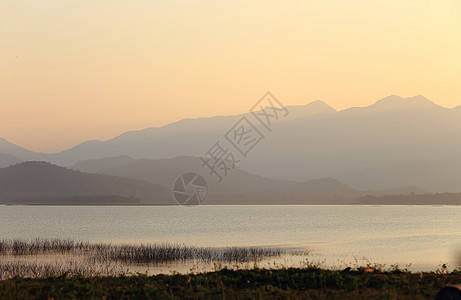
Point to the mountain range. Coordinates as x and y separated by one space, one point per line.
37 182
123 180
393 143
239 184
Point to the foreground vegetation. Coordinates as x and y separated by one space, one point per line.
40 258
144 253
64 269
308 283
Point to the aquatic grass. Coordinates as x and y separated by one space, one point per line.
55 257
42 246
161 253
154 253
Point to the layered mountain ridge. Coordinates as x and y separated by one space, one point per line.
392 143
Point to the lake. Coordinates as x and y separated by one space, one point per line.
336 235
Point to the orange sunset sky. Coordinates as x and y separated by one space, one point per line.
73 70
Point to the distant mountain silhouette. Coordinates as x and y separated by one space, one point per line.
8 160
324 186
313 108
396 103
14 150
414 199
165 171
364 147
42 182
100 165
239 187
340 145
157 142
437 175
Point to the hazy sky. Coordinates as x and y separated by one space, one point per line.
77 70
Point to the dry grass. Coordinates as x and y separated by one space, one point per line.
58 257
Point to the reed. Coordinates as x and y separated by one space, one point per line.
161 253
42 246
155 253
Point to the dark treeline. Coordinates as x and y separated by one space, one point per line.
77 200
414 199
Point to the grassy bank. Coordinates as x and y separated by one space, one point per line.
309 283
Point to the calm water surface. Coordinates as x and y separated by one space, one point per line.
425 236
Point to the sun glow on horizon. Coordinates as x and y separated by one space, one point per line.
74 71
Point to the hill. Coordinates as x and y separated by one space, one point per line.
156 142
369 148
7 160
41 182
239 187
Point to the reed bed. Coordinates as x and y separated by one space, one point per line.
57 257
143 253
42 246
162 253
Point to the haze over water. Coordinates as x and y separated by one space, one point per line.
425 236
